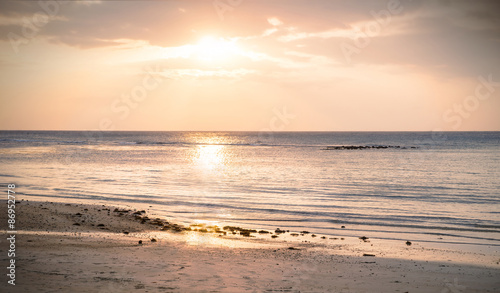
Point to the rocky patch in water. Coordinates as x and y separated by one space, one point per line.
364 147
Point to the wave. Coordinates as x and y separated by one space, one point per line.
44 141
183 143
37 142
298 216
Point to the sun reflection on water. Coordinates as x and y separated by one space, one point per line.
210 157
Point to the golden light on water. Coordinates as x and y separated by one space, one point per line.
213 239
210 157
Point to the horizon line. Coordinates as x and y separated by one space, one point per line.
257 131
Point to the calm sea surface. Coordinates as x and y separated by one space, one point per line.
423 186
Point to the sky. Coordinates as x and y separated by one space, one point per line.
250 65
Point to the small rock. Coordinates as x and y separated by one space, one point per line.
153 240
279 231
245 233
140 241
408 243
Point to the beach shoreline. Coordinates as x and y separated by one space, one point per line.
95 248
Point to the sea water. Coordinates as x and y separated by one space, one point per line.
421 186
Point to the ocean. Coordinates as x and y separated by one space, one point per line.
420 186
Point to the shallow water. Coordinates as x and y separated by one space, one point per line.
444 189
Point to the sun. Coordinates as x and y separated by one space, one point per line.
216 49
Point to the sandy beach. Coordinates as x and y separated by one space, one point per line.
300 146
90 248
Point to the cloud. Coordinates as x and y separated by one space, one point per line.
446 37
173 23
274 21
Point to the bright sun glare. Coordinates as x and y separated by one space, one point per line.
216 49
210 157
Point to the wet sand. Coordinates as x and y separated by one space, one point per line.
94 248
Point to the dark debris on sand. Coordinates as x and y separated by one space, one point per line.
164 225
